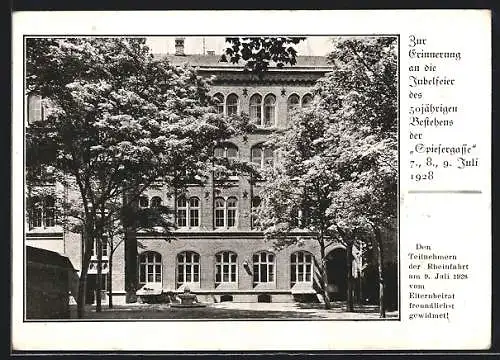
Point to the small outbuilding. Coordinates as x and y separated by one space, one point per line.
48 282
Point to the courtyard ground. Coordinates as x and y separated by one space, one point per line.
231 310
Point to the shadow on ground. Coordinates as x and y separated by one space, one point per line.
340 306
228 312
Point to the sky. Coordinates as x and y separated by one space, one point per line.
314 45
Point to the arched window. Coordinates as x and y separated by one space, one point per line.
155 202
225 212
188 267
269 110
194 212
143 201
256 109
307 100
226 269
292 105
36 212
188 212
262 156
49 211
301 267
150 267
232 104
219 103
219 212
263 267
181 212
255 204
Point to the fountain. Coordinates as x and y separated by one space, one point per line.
188 300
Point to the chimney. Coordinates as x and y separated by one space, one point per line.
179 46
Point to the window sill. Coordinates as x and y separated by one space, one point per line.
264 286
226 286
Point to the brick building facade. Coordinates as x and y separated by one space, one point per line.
217 252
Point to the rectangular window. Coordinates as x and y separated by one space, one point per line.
255 113
268 116
231 217
219 218
194 217
181 218
35 108
232 109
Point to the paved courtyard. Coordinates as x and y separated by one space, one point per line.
230 310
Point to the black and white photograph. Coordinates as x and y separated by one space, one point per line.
237 177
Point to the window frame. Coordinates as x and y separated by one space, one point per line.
143 198
263 163
253 209
292 107
272 110
35 109
42 212
256 106
187 209
225 147
153 202
234 106
302 101
296 265
267 264
157 261
220 106
184 264
220 265
225 208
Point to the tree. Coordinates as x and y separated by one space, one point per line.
296 194
260 52
361 96
117 120
338 158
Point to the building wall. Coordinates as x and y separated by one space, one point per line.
205 239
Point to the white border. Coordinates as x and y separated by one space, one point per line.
470 329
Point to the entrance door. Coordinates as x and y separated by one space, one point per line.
336 268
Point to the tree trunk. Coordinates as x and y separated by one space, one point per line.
381 280
324 276
98 299
350 300
130 252
80 307
110 283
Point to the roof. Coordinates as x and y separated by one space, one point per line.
47 257
213 61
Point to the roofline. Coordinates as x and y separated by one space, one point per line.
287 69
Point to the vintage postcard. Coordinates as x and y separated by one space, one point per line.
318 181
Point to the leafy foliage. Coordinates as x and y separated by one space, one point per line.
259 53
117 120
337 177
